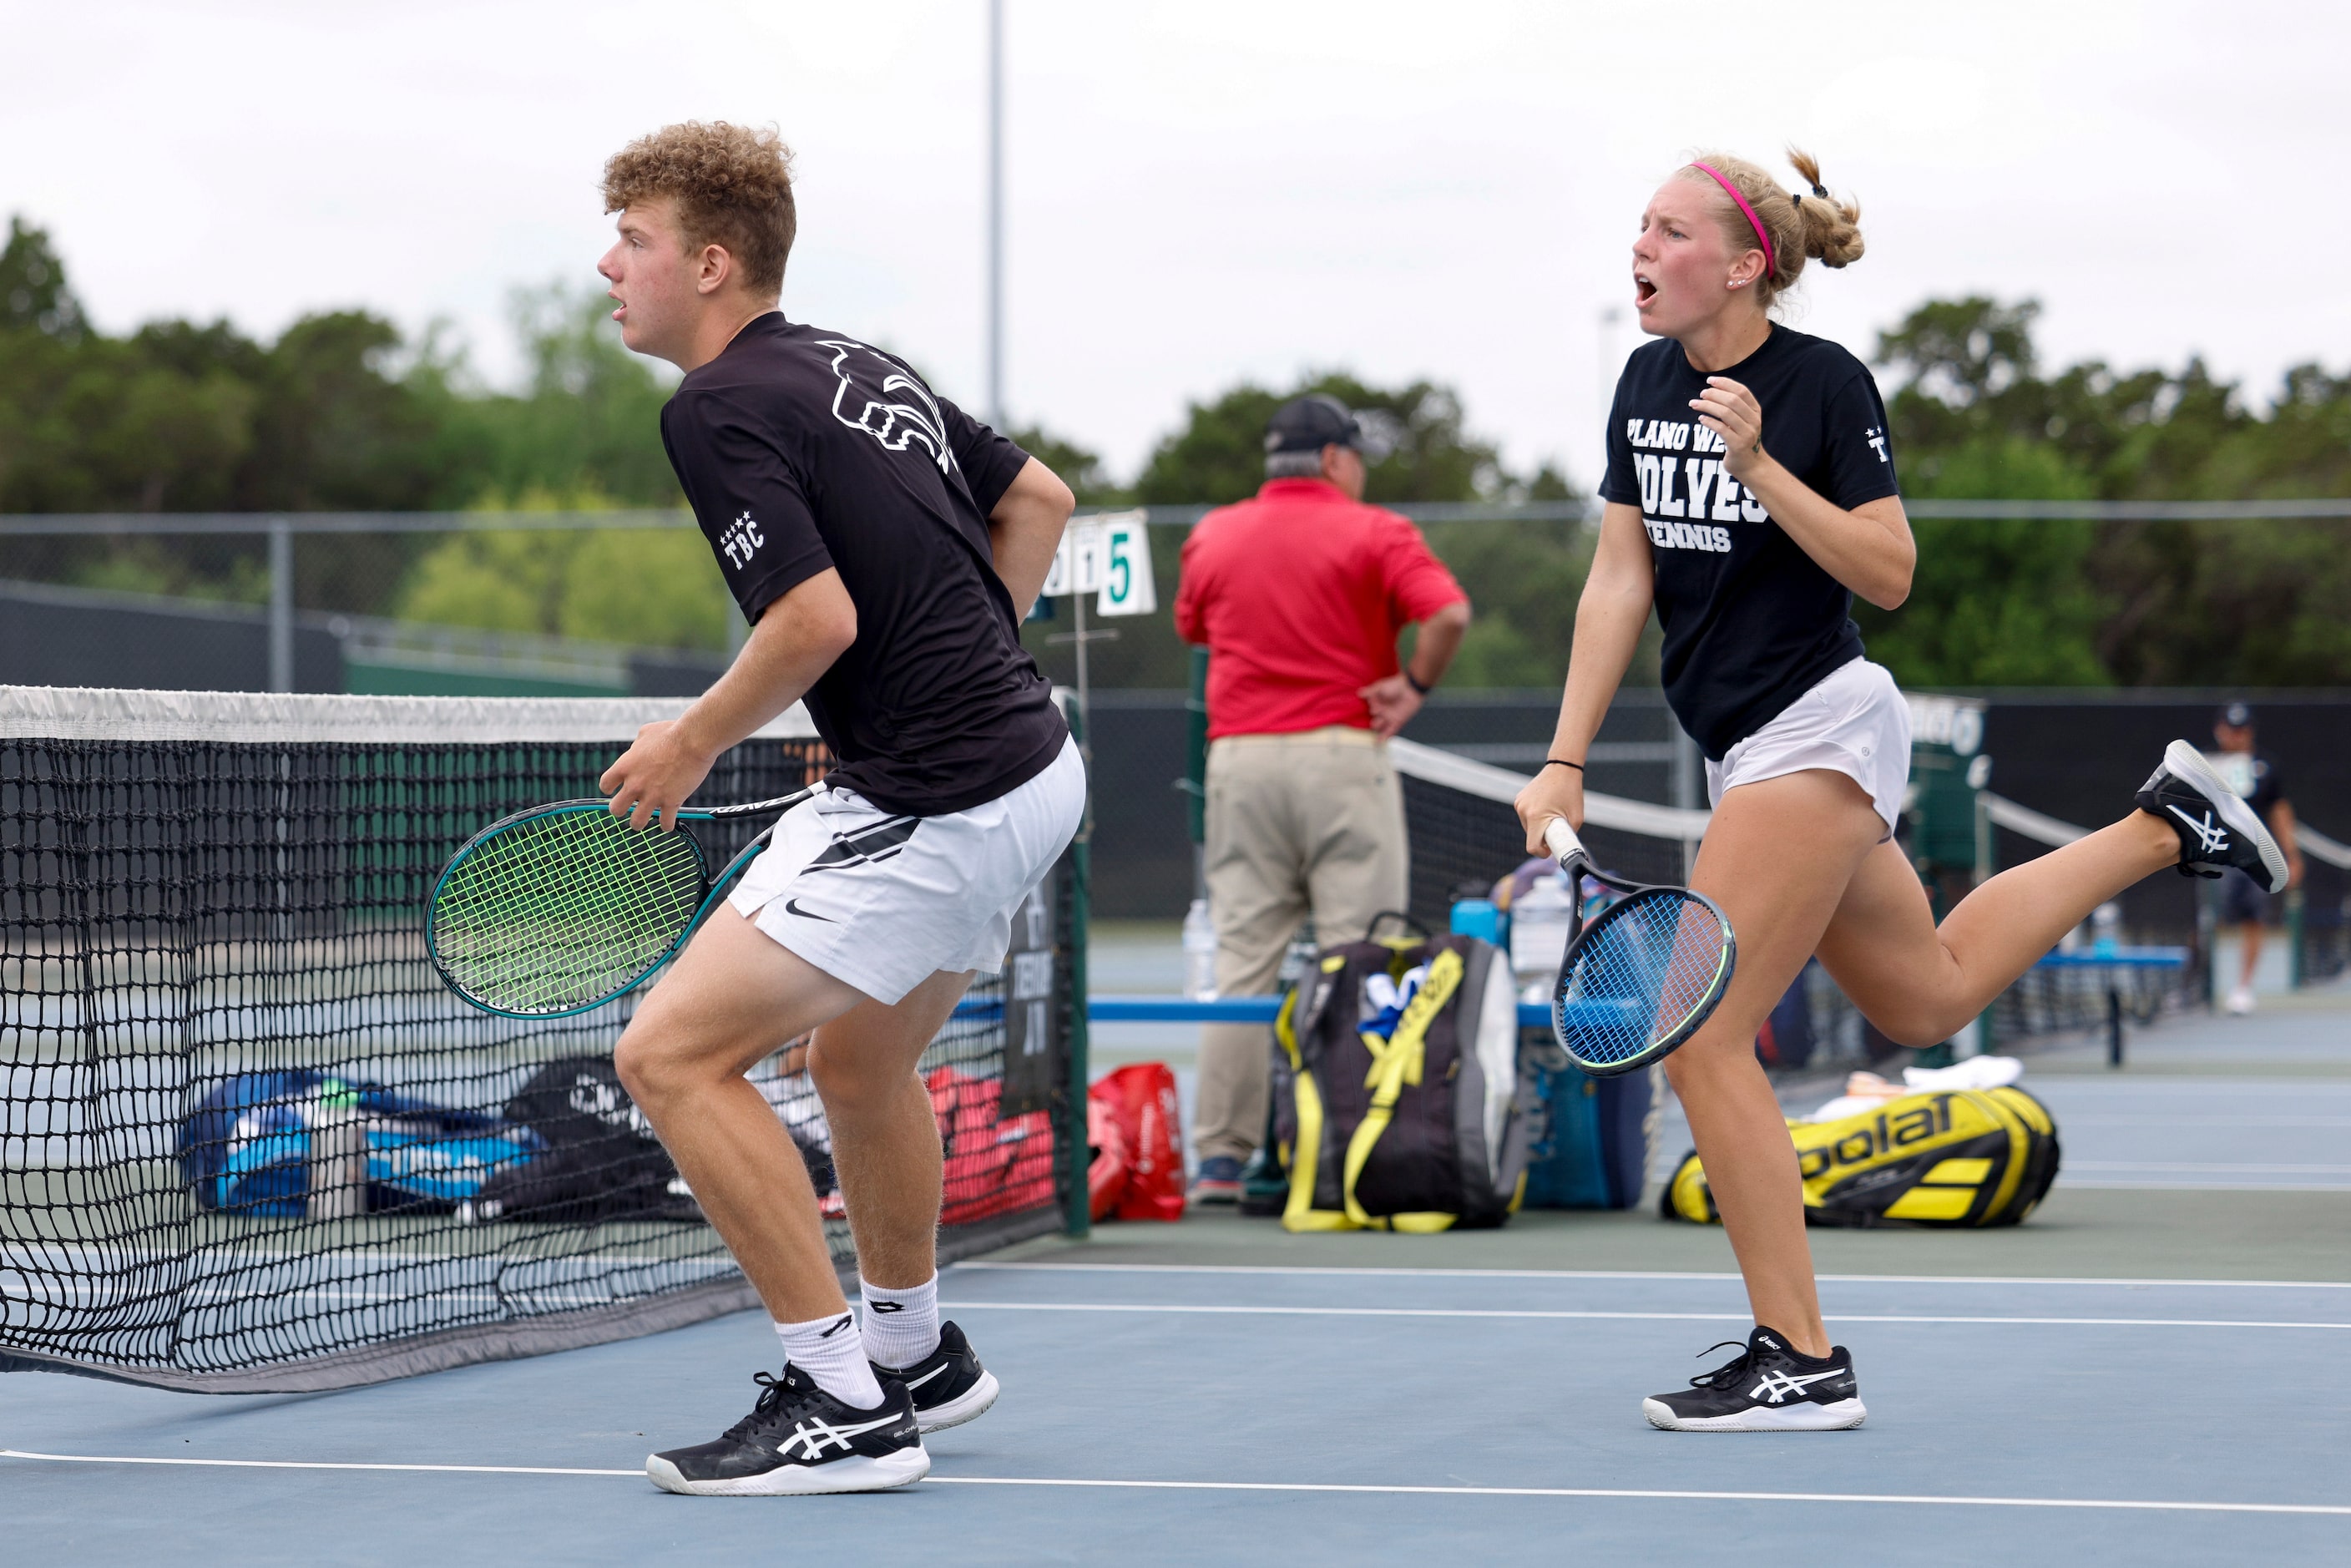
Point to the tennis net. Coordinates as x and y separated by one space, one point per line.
247 1140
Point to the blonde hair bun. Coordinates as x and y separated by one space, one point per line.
1813 225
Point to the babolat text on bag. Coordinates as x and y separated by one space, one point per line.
1955 1157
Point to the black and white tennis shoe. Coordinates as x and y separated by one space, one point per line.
799 1439
949 1386
2217 830
1769 1388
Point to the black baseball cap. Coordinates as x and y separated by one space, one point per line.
1312 423
2237 715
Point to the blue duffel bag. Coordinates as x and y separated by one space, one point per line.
247 1145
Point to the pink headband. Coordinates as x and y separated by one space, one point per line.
1771 265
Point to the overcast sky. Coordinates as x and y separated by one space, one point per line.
1201 191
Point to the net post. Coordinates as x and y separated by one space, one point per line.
281 605
1688 784
1077 1217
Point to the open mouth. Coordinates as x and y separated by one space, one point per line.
1642 289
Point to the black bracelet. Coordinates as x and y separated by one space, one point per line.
1559 762
1414 685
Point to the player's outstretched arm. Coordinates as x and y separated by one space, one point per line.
797 639
1026 530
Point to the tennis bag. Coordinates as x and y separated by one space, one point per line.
1598 1135
248 1146
1401 1117
601 1162
1949 1158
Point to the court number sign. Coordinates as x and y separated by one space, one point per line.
1107 555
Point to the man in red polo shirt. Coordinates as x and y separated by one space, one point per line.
1298 595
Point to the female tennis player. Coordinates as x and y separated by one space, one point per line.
1749 495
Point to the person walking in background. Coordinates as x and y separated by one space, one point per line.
2244 902
1300 595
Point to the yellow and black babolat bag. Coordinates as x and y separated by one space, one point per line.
1948 1157
1405 1118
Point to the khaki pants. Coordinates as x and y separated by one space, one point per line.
1310 823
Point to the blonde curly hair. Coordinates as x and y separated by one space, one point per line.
732 184
1810 223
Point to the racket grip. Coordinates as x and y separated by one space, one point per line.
1561 839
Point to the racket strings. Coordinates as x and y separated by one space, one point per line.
562 909
1648 967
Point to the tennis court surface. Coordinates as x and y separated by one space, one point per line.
2141 1372
2152 1369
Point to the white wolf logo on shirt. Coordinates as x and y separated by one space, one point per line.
900 411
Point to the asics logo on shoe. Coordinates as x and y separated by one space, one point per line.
915 1382
1778 1385
812 1438
2211 838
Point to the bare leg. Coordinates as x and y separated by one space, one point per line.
1777 858
1921 983
734 995
886 1137
1796 865
2251 951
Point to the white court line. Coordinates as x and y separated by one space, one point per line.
2192 1167
1359 1489
1304 1271
2126 1183
310 1465
1224 1309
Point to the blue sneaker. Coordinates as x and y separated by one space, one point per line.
1218 1180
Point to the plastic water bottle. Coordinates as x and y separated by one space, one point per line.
1298 958
1478 918
1541 920
2106 931
1199 953
338 1174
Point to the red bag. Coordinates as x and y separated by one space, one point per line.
1106 1173
993 1166
1140 1103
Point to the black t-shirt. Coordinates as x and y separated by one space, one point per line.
801 449
1751 621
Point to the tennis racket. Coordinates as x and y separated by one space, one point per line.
1640 979
560 908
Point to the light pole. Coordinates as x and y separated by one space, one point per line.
1604 374
995 212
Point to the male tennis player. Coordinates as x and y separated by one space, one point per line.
885 546
1751 495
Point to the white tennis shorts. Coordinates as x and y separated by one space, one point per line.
884 900
1854 722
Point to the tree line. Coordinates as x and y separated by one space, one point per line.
342 411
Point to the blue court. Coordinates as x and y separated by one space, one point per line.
1162 1413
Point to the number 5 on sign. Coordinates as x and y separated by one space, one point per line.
1125 556
1108 556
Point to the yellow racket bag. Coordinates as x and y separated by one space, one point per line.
1943 1157
1409 1118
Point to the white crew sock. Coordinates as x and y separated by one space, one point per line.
902 1327
830 1352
